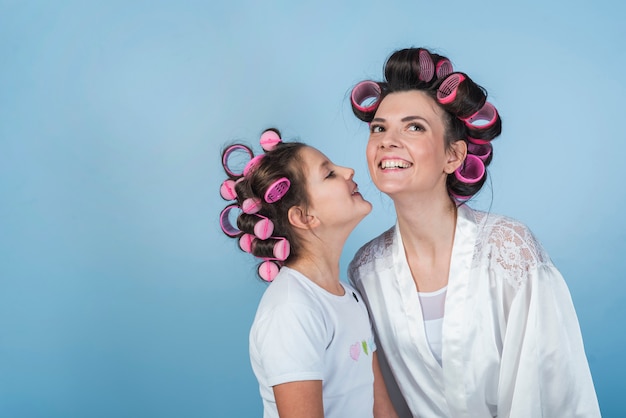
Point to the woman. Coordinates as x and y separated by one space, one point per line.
473 318
311 343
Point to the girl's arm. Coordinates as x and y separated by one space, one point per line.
301 399
383 408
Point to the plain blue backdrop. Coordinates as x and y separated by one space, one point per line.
120 296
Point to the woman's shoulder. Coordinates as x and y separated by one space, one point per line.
377 248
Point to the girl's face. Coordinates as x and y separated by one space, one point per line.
406 153
334 196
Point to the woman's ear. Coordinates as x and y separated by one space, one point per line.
298 218
455 156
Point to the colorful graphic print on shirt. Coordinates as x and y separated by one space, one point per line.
363 346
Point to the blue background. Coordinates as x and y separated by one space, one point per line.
120 296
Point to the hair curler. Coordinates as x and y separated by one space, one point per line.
426 66
471 171
225 223
443 68
277 190
269 139
362 92
229 151
482 151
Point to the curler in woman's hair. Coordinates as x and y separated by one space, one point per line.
426 66
363 92
277 190
228 153
471 171
269 140
443 68
227 226
264 228
482 151
227 190
268 270
251 205
484 118
446 93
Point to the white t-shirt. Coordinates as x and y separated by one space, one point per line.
302 332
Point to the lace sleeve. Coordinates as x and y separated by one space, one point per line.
376 249
511 247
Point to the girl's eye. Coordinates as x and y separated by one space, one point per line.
331 174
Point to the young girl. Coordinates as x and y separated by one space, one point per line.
311 343
473 317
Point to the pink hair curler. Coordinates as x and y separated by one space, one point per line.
225 223
245 242
446 93
281 249
471 171
227 190
269 140
252 165
482 151
251 205
268 270
229 151
427 67
486 114
443 68
264 228
277 190
362 92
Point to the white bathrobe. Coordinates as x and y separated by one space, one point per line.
512 345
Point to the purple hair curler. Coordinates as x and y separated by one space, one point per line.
471 171
446 93
362 92
482 151
227 155
268 270
227 190
228 227
269 140
443 68
277 190
264 228
487 114
427 67
251 205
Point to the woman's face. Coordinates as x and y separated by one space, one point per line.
406 153
334 196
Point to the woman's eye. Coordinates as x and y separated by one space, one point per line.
416 127
376 128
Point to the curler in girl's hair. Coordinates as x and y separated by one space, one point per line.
364 91
227 226
268 270
251 205
471 171
426 66
252 165
227 190
264 228
281 249
277 190
229 151
269 140
482 151
443 68
245 242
